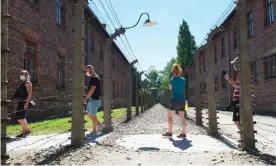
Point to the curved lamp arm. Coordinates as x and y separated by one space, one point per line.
151 67
138 21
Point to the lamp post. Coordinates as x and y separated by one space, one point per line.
143 90
106 98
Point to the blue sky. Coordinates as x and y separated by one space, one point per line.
156 45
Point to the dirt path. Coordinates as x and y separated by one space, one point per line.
139 142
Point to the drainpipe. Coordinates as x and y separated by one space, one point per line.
228 63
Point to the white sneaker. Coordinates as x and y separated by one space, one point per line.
100 127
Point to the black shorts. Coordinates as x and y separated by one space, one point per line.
177 105
236 111
20 113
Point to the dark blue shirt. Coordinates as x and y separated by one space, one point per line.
178 88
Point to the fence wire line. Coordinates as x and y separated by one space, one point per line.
115 28
50 136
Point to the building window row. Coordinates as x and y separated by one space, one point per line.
119 90
191 74
191 91
270 67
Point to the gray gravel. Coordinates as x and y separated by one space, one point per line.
153 121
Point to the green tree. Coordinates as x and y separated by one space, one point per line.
153 79
185 49
166 74
186 45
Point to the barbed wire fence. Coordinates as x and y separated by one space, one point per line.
50 146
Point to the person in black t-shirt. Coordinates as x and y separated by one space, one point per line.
93 97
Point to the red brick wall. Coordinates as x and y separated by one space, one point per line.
262 44
38 25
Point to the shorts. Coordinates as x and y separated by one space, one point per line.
236 111
20 113
177 105
93 106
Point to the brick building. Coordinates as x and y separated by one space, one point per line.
262 57
41 41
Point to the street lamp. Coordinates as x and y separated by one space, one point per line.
106 98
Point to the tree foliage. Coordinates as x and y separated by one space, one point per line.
186 45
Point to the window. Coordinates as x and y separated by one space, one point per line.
118 91
205 87
122 91
113 87
60 13
223 83
270 67
254 70
121 69
113 62
215 54
30 60
216 84
200 88
235 37
199 64
101 53
92 41
250 24
269 11
102 84
203 61
34 2
61 72
222 47
118 66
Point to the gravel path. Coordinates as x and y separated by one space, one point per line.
153 121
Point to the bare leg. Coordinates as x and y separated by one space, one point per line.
238 124
170 121
94 122
183 120
24 125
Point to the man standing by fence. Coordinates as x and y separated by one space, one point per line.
93 97
236 94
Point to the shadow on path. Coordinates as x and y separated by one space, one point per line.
12 139
63 150
181 144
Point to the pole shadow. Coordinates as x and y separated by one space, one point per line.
12 139
92 137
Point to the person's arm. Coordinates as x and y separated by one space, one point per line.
30 91
170 86
230 81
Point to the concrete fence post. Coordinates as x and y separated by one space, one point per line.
247 127
77 132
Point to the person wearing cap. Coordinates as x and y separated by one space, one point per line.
93 97
236 93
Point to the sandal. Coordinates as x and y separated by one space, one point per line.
181 136
26 133
167 134
19 135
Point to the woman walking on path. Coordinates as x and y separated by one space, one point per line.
23 95
177 86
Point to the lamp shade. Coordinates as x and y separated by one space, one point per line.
148 23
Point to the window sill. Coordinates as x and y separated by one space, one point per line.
35 6
60 87
270 79
266 26
61 26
